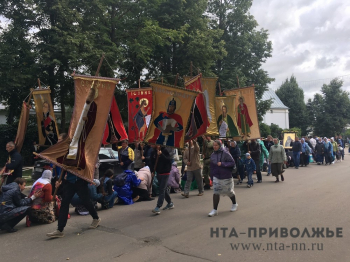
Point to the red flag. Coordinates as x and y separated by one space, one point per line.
140 104
199 118
115 130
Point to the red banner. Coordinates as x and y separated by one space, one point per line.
199 118
115 130
140 110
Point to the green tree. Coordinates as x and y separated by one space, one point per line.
247 48
293 97
264 130
331 110
276 131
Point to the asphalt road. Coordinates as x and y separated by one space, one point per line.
310 197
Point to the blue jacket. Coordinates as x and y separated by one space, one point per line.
235 152
125 192
250 165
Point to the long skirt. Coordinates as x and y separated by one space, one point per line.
276 169
224 187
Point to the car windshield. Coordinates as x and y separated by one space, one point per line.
107 153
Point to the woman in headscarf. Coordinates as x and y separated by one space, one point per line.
221 165
276 157
42 208
328 151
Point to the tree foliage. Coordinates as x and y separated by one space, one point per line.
329 112
293 97
140 39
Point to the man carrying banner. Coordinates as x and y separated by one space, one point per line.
71 185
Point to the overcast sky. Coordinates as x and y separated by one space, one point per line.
310 39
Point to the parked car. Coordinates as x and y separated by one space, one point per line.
109 160
39 167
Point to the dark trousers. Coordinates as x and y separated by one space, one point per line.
296 158
303 160
258 171
69 189
163 193
14 221
142 193
342 154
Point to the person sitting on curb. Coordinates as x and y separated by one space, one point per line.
13 206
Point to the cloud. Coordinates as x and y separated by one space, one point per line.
310 40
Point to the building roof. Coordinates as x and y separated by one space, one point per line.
276 102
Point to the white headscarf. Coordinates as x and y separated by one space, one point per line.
45 178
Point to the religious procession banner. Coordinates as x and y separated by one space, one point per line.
140 104
78 152
115 130
226 121
22 126
288 137
198 121
246 112
208 85
47 124
169 115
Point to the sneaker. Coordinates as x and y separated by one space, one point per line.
213 213
156 211
200 194
234 207
259 181
268 174
55 234
169 206
185 195
95 223
249 186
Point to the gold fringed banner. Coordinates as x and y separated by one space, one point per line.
246 112
209 92
78 152
22 126
45 115
170 115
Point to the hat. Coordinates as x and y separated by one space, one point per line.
247 154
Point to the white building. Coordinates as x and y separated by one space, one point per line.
278 112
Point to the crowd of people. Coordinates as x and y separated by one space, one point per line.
50 197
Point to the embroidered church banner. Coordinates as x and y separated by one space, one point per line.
246 112
198 121
169 115
140 103
78 152
209 92
226 121
47 124
115 130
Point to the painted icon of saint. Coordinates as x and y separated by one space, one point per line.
243 119
48 126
